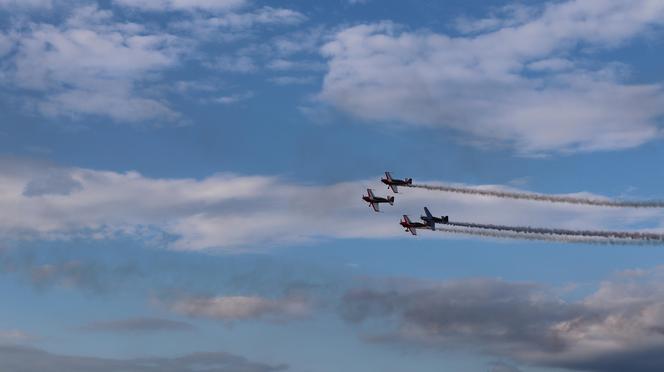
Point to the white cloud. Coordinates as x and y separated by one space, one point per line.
476 84
91 61
506 16
239 22
250 212
92 65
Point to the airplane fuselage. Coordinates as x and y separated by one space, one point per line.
429 220
375 199
394 182
414 225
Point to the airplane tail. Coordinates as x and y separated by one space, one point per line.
445 219
390 199
426 211
409 181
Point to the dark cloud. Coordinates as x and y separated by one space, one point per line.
503 315
138 325
24 359
617 328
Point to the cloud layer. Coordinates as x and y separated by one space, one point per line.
227 210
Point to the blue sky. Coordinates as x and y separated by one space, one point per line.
181 181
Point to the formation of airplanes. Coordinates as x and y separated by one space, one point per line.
429 221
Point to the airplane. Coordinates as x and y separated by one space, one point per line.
375 201
412 226
393 183
431 220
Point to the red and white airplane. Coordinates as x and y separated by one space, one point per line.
375 201
393 183
413 226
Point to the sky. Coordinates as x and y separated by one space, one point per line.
181 182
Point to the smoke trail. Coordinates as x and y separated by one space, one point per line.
563 232
541 237
546 198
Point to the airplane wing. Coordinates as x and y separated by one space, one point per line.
426 211
412 230
388 176
370 193
394 189
375 206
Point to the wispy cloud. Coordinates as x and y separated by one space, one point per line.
234 98
182 5
510 15
236 308
241 22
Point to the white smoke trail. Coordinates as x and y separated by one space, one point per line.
544 237
546 198
642 236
